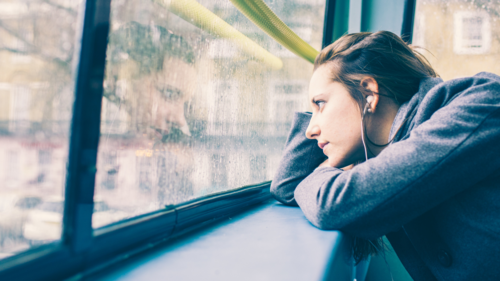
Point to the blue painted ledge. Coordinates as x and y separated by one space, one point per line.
268 242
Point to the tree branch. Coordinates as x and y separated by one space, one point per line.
68 10
32 50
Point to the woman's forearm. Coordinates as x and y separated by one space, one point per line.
300 157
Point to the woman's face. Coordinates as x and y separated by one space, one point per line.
336 120
165 94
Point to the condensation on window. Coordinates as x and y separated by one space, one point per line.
186 113
36 96
458 36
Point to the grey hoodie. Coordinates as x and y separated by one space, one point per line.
434 192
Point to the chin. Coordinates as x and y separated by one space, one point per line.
340 163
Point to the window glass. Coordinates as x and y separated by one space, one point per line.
187 113
36 95
458 36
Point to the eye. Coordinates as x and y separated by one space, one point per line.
169 93
320 104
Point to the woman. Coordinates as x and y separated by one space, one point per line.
422 158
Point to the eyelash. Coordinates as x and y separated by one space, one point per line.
319 103
169 94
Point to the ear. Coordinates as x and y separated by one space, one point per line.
370 86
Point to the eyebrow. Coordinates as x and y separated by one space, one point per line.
318 95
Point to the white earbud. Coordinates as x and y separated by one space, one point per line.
369 100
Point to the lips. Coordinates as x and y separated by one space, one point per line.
322 144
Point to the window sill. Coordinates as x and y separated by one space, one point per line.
268 242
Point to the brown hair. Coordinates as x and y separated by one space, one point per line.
396 66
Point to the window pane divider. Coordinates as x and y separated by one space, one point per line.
85 126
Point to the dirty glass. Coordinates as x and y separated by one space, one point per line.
187 112
459 37
36 95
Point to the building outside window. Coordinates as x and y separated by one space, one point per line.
219 170
20 102
12 173
472 32
220 48
419 31
258 168
110 170
114 116
223 107
145 171
285 99
44 162
22 43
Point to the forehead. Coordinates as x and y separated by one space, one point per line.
178 74
175 68
321 81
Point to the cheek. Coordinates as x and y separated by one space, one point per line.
342 128
342 124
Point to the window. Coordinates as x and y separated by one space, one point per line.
144 170
185 113
472 32
20 103
219 170
419 31
220 48
109 170
196 112
223 101
258 168
36 82
287 98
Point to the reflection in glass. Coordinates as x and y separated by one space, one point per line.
186 114
36 82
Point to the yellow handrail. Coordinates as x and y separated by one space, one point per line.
262 16
196 14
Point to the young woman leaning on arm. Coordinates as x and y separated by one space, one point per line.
423 158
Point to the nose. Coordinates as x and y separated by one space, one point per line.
313 130
179 119
183 126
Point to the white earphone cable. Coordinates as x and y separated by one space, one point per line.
363 131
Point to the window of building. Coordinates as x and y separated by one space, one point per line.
457 37
472 33
20 104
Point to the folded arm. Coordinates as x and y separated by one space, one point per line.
300 157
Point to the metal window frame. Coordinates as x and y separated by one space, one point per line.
341 18
408 21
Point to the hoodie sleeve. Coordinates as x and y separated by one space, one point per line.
300 157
